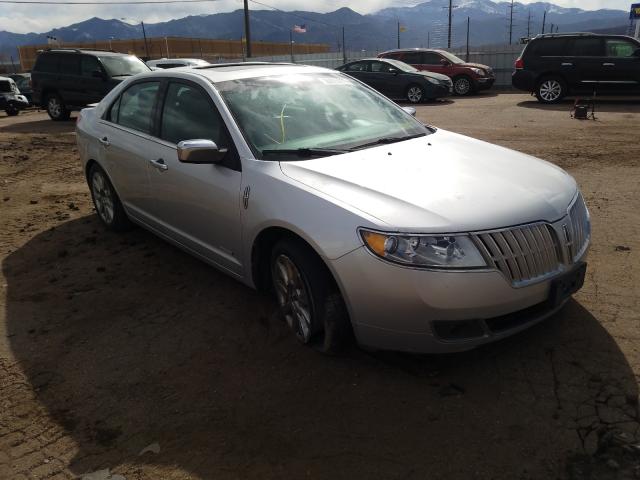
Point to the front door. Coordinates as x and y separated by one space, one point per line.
198 205
624 67
92 85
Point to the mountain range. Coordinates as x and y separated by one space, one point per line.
424 24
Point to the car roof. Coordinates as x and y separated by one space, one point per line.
578 34
9 79
105 53
416 49
222 72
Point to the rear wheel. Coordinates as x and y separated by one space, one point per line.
11 111
415 93
462 85
307 297
106 201
550 90
56 108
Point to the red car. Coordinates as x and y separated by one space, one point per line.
467 78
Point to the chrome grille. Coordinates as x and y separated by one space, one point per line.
523 254
580 231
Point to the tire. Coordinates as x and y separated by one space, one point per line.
462 85
106 201
308 298
56 109
550 90
414 93
11 111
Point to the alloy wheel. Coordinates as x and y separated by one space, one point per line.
550 90
103 197
293 297
462 86
414 94
55 107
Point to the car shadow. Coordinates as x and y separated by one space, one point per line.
606 104
26 124
127 341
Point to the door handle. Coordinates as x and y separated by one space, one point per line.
159 164
608 64
104 141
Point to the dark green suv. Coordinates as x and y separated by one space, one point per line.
66 79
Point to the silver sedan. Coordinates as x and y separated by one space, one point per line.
362 221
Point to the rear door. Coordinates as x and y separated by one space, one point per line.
552 56
623 66
68 78
197 205
590 63
356 70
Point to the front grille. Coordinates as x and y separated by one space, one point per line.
580 230
523 254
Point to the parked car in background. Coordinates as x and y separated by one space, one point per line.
177 62
468 78
398 80
553 66
23 81
66 79
11 100
361 219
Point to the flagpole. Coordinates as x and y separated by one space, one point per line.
398 34
291 43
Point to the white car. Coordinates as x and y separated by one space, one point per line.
165 63
362 220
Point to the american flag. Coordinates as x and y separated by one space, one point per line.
300 28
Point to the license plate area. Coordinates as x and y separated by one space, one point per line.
567 284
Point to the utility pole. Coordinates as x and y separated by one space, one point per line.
511 22
450 20
468 24
544 20
398 34
344 48
551 28
529 25
247 29
144 34
428 39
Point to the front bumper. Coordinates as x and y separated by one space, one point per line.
428 311
484 83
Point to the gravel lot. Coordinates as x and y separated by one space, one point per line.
110 343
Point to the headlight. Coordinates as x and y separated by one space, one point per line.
478 72
437 251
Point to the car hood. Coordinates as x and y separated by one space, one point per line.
438 76
443 182
476 65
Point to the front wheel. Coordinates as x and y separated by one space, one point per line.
56 108
550 90
106 201
415 93
307 297
11 111
462 85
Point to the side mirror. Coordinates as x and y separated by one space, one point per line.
200 151
410 110
636 52
394 71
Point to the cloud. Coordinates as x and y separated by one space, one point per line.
41 18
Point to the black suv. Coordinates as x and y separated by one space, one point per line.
555 65
70 79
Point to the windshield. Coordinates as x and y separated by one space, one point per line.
401 65
313 111
7 86
452 58
121 66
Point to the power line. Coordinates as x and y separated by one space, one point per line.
116 2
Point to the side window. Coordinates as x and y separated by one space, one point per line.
412 58
46 63
88 65
620 48
429 58
357 67
379 67
586 47
69 64
135 107
188 114
112 116
549 47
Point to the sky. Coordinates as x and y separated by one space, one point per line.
42 18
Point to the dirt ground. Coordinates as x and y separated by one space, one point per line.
110 343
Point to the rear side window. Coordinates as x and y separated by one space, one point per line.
188 115
134 108
88 65
381 67
548 47
69 64
620 48
356 67
46 63
586 47
412 58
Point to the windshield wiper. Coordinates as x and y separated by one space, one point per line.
304 152
386 140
